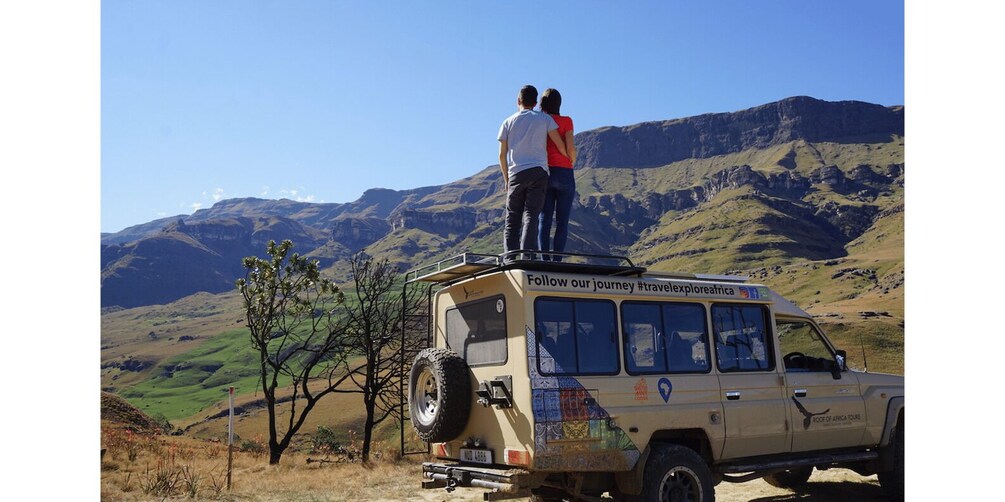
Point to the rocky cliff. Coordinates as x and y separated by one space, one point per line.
652 144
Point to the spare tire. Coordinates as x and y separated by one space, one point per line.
439 397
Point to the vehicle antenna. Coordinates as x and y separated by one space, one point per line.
865 361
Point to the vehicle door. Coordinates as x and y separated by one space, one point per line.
667 354
825 403
574 353
751 388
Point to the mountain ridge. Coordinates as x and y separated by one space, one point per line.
827 168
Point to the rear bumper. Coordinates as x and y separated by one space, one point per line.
503 483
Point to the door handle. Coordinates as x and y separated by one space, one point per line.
733 395
799 392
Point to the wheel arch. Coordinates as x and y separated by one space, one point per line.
630 482
894 413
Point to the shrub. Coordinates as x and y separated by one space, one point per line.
255 446
325 441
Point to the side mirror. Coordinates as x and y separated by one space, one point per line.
840 357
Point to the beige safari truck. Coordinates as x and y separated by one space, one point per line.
584 377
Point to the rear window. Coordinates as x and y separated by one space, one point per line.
477 331
576 337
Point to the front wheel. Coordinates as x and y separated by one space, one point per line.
892 482
676 473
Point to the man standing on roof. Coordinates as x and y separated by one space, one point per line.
523 158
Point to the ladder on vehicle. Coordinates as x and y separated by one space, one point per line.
416 334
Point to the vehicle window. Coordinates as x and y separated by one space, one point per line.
477 331
643 338
687 349
576 337
742 342
665 337
802 347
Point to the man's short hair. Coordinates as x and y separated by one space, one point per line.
528 95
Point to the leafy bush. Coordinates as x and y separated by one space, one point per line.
325 441
255 446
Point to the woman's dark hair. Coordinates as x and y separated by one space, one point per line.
551 101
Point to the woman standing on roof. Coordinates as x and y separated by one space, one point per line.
561 182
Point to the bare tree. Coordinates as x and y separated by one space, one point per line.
371 324
290 313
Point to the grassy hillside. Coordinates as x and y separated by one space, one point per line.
187 383
836 248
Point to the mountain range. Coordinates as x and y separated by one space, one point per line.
792 181
803 195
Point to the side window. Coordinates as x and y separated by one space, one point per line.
477 331
742 341
802 347
643 337
665 337
576 337
687 339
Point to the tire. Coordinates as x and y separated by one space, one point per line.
439 394
892 482
676 473
792 478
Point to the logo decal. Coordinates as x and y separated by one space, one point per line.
469 294
807 416
642 390
665 388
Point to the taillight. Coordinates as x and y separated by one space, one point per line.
440 450
517 457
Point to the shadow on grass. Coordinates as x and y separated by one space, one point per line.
830 491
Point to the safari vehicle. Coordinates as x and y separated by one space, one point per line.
582 375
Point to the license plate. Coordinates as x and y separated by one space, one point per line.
476 456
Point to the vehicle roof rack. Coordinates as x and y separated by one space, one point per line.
456 267
471 264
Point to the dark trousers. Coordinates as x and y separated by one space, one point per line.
524 201
557 205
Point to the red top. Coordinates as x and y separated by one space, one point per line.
556 159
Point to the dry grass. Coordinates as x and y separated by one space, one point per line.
143 467
149 467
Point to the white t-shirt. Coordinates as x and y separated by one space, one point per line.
526 132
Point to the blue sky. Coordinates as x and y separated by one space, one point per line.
318 101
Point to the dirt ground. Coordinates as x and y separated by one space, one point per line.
834 485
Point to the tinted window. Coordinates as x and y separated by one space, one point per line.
477 331
742 342
643 338
576 337
665 337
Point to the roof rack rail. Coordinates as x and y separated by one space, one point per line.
455 267
467 265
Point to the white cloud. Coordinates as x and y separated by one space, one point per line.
265 190
217 194
196 206
309 198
